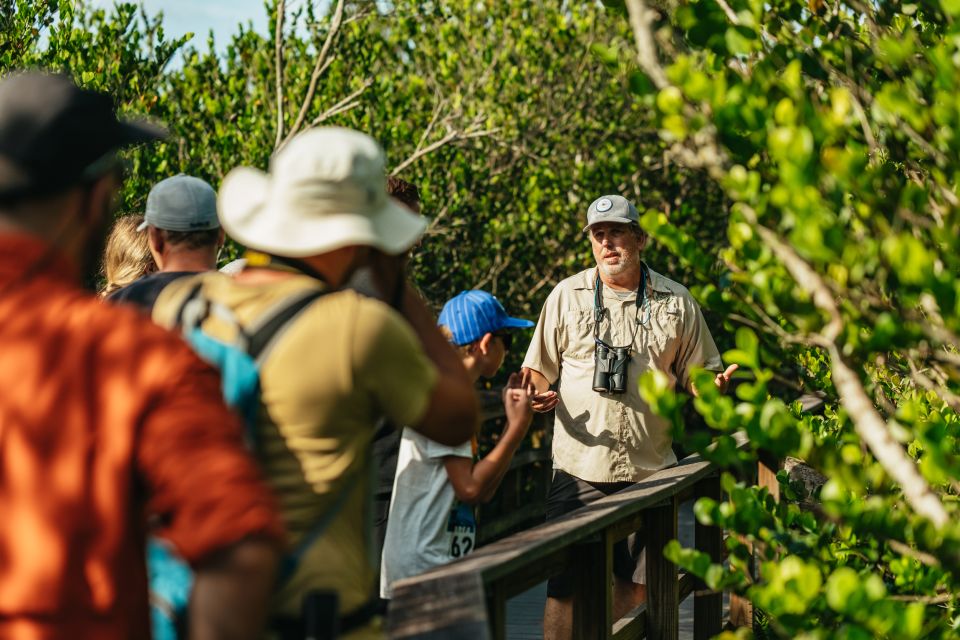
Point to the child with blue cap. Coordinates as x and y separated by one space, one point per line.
431 518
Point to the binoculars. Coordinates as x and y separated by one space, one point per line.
610 368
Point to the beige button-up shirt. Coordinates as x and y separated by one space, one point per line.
602 437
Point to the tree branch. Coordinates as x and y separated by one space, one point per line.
867 422
641 17
343 105
731 16
318 68
952 399
452 136
278 64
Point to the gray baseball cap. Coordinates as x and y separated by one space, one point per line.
611 209
181 203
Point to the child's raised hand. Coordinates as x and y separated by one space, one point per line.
517 402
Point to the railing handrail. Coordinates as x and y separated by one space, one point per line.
460 583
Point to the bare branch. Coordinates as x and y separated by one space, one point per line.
803 273
952 399
641 17
278 64
343 105
318 68
452 136
916 554
731 16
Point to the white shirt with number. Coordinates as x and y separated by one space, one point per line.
427 526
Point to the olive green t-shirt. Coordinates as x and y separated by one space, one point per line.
340 365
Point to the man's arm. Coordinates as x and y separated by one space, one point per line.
474 483
210 495
544 400
232 590
453 410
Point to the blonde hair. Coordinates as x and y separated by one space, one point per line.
127 256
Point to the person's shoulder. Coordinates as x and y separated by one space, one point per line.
121 331
145 291
174 293
663 284
578 282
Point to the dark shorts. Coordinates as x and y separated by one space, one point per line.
569 493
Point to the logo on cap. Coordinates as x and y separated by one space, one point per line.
604 204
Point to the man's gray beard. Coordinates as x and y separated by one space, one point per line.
626 262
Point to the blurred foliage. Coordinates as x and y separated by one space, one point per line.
832 128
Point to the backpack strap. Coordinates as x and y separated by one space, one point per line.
258 341
274 323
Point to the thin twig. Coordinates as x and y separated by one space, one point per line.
906 550
451 136
952 399
343 105
318 68
278 64
731 16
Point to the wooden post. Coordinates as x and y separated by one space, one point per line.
592 596
767 468
708 605
663 591
497 610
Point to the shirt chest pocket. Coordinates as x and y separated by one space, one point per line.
661 334
576 334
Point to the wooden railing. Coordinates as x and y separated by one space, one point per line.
467 599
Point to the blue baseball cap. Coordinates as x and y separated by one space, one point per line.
470 315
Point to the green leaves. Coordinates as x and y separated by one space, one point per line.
747 352
790 587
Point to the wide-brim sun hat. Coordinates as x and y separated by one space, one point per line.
326 189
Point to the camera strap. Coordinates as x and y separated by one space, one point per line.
599 311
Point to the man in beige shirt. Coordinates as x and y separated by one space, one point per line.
605 436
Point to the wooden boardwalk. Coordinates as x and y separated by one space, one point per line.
525 611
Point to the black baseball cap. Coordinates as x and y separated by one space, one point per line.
53 134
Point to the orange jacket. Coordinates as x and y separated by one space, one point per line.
105 419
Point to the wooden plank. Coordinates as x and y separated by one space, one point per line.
592 569
632 626
708 605
663 594
686 584
531 576
446 609
497 610
767 468
531 513
767 475
626 527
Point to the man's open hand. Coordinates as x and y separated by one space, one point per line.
541 402
723 379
